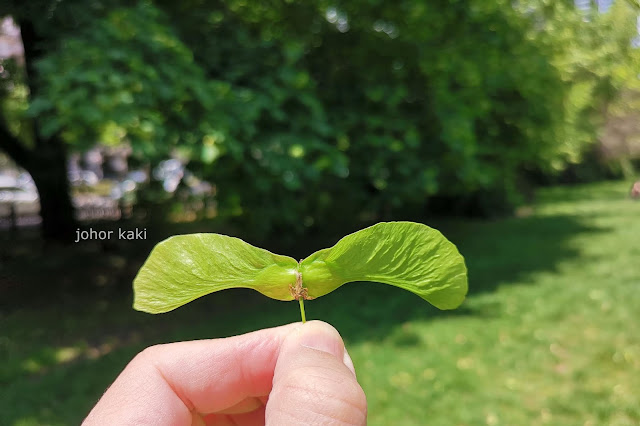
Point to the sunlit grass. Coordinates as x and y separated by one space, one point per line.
552 346
547 335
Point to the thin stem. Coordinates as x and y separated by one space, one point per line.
304 318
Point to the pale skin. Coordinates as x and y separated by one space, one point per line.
297 374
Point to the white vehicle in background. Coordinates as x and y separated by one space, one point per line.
18 197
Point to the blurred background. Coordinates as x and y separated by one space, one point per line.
511 126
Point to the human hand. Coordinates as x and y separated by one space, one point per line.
297 374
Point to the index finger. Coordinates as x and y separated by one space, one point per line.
172 381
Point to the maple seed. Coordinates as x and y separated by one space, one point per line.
408 255
298 291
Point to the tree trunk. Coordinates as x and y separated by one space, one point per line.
49 172
47 165
46 159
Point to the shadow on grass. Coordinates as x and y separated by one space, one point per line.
497 253
60 313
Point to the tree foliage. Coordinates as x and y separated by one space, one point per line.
377 110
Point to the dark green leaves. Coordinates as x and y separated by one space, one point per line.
408 255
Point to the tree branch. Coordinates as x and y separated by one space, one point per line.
13 147
634 3
33 49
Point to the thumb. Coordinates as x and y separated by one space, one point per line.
314 381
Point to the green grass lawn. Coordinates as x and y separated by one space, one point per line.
548 334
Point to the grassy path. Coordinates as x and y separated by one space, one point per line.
553 341
548 334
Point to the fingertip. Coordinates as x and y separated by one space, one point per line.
320 333
315 380
320 336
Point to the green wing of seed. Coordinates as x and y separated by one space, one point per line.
185 267
408 255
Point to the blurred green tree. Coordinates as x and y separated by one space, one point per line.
297 111
104 73
594 51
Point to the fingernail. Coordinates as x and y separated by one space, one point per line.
349 362
322 337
